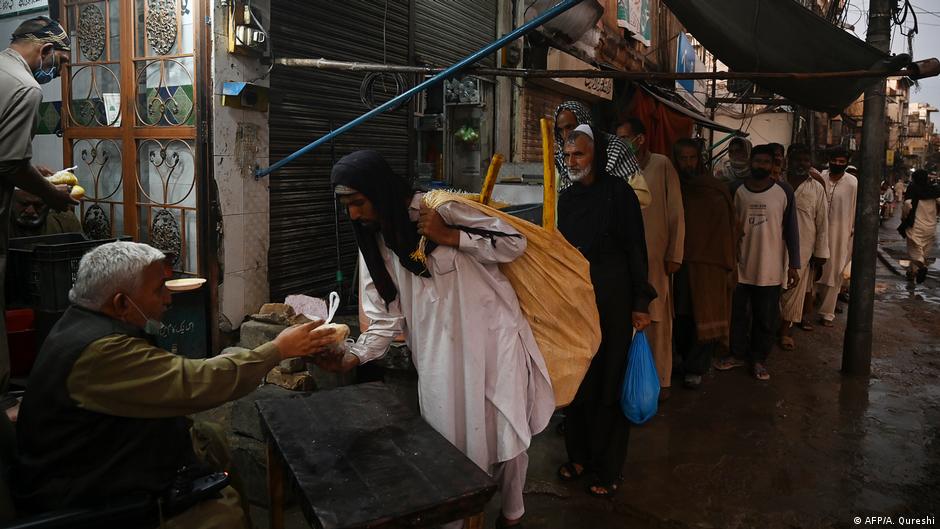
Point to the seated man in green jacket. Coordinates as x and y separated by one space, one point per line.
104 415
32 217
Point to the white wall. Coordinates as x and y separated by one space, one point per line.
776 127
243 200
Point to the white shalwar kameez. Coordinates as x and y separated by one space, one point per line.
813 219
840 196
482 381
922 234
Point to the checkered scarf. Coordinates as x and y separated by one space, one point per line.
621 161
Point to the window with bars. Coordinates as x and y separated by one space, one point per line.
128 114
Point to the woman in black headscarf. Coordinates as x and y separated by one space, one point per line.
600 215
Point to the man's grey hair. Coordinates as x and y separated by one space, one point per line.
109 269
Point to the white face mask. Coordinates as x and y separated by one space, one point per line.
151 326
577 174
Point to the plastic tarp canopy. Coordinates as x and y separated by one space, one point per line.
783 36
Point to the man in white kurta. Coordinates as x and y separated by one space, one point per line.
664 225
482 382
919 223
813 220
841 188
921 236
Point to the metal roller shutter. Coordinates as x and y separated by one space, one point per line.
303 255
446 32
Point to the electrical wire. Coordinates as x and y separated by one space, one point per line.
368 87
899 16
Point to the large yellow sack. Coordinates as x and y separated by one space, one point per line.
553 283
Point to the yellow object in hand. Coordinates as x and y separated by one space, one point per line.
77 192
63 178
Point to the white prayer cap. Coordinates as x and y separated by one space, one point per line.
585 129
340 189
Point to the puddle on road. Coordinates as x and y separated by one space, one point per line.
899 291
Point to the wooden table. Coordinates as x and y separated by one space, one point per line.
361 459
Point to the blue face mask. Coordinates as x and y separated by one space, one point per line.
151 326
44 76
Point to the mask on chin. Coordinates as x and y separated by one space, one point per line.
759 173
151 326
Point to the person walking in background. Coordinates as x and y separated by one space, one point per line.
899 188
919 223
664 225
705 281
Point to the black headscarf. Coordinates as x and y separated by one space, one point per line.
368 173
920 189
581 217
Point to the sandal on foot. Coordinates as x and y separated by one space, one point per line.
728 362
760 372
787 343
826 323
569 472
806 326
606 490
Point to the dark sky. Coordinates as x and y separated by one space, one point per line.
926 42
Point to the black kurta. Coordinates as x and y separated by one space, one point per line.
604 222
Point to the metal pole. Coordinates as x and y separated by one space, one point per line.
449 72
342 66
856 353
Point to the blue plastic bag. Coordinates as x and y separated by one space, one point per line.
639 397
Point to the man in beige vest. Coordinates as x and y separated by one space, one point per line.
664 222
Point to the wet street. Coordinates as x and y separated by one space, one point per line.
811 448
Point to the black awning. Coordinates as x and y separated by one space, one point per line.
694 115
783 36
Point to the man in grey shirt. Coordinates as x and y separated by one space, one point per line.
38 50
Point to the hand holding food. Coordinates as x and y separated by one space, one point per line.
65 176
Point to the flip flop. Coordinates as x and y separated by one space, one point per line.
569 472
826 323
787 343
728 362
608 489
806 326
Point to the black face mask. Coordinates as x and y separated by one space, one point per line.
759 173
837 168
